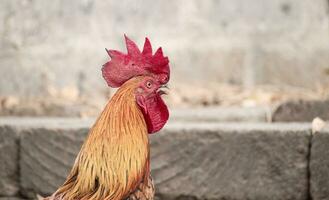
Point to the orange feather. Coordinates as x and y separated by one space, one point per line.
114 159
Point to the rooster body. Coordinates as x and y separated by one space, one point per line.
114 161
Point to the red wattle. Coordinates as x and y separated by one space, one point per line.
155 112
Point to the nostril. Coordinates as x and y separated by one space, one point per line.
165 79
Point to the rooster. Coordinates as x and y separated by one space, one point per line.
114 161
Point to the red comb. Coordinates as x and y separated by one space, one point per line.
123 66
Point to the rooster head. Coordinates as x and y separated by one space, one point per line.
123 66
148 92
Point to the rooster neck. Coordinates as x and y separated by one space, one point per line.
120 118
114 159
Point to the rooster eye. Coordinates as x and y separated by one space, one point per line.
148 84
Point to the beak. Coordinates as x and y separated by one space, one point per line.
164 86
161 91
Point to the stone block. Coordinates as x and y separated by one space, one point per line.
232 161
319 165
9 185
47 155
301 111
189 160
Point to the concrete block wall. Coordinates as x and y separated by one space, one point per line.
189 160
319 165
49 47
9 170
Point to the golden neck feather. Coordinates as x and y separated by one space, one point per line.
115 157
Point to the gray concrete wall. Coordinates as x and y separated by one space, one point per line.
188 160
57 47
201 160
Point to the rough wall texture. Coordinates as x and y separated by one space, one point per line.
51 47
201 161
47 157
302 111
319 165
9 172
232 161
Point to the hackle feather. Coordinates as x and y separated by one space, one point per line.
114 159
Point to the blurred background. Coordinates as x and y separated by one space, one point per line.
222 53
232 62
